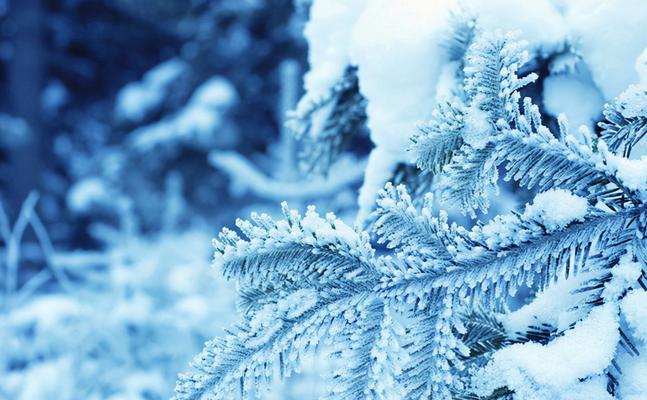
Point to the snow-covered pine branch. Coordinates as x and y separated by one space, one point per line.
492 90
626 124
326 126
304 280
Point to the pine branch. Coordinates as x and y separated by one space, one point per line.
621 133
491 80
294 252
488 276
492 87
540 160
462 34
436 142
483 333
369 357
469 177
304 279
434 355
414 233
327 127
277 335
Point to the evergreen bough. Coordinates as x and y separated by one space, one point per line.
414 322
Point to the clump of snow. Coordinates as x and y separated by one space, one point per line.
137 99
399 93
554 371
553 306
633 384
625 274
563 93
634 308
557 208
196 123
377 36
328 33
540 23
633 101
86 194
609 35
632 173
477 128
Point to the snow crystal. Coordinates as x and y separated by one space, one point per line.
529 368
634 308
557 208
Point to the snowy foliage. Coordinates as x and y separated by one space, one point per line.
431 315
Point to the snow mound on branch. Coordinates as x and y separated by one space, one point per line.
623 276
635 311
633 101
401 93
609 35
553 306
583 352
633 384
557 208
633 173
539 22
328 33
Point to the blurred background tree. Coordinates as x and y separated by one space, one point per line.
130 132
80 99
